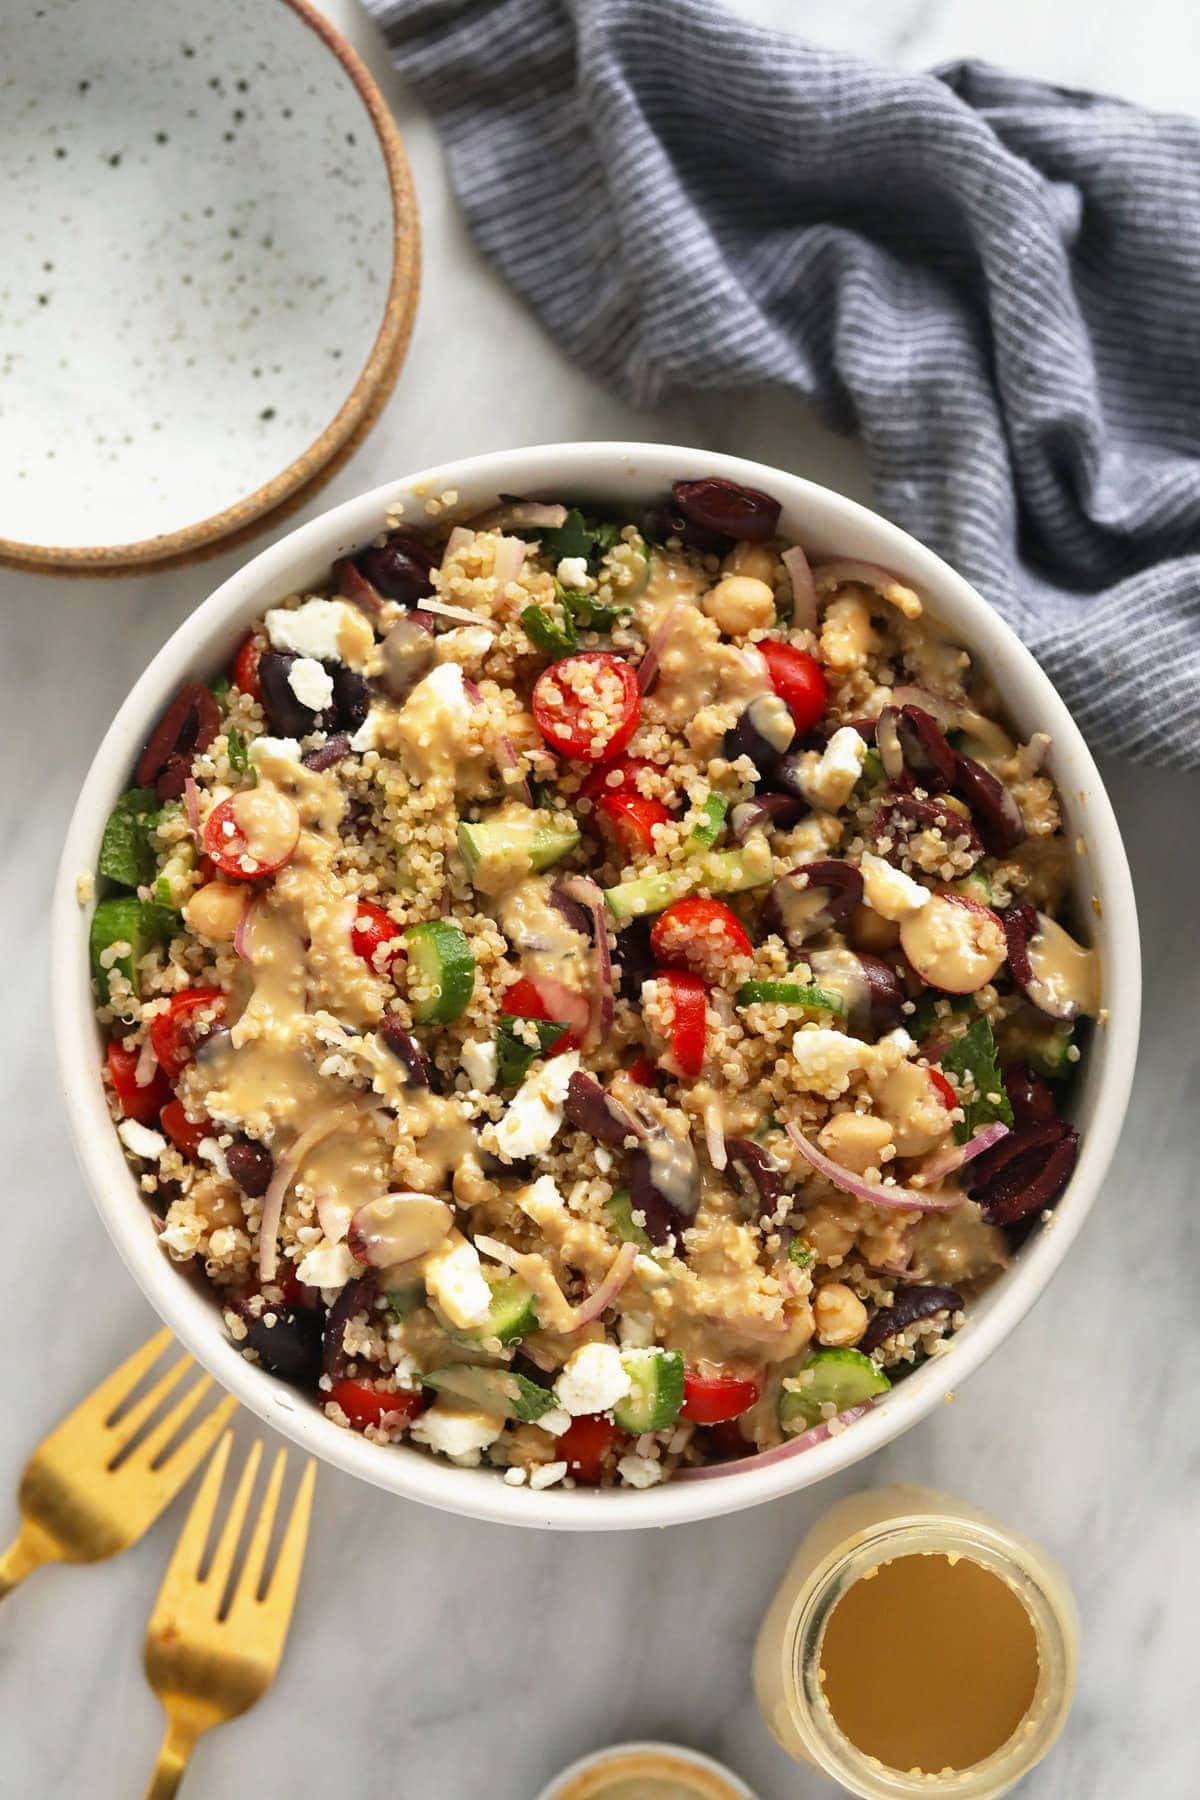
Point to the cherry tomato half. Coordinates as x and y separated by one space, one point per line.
946 1093
141 1103
619 777
226 842
584 1445
587 706
701 935
797 679
630 820
523 1001
372 928
365 1405
642 1070
689 1026
712 1399
185 1136
176 1032
243 672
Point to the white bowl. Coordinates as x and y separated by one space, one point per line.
210 270
628 476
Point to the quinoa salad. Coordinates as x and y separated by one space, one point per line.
592 997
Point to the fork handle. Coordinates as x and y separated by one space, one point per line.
177 1747
24 1554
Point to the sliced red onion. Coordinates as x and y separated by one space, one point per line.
454 543
471 690
619 1272
804 589
816 1434
240 946
286 1168
524 515
506 564
886 583
508 759
459 614
191 804
583 889
899 1199
947 1161
562 1003
1032 756
944 712
647 672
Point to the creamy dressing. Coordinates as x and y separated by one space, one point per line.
697 666
957 1682
1068 973
547 945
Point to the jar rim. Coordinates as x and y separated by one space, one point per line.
1021 1566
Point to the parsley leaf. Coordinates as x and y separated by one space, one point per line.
547 634
587 610
972 1059
219 689
239 756
125 853
579 536
514 1055
800 1253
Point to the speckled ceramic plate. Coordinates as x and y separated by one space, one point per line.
208 271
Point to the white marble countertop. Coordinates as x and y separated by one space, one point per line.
434 1657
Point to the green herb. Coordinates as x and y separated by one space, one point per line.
926 1015
514 1055
587 611
239 756
579 536
972 1059
871 773
799 1253
219 689
547 634
125 852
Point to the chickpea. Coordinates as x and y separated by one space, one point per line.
214 910
841 1317
740 603
856 1140
755 560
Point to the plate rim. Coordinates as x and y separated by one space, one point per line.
307 473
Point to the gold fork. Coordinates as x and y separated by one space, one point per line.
209 1659
78 1502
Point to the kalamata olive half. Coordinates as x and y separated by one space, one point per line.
764 733
406 656
287 1341
902 816
350 697
1025 1172
399 567
1029 1096
405 1048
357 1296
666 521
873 992
664 1185
591 1109
766 812
760 1177
909 1305
924 748
251 1166
809 899
286 716
634 957
996 814
333 751
188 726
1049 967
727 507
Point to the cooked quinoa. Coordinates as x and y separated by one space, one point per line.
591 995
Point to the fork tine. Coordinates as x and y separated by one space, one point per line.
184 1566
256 1556
280 1596
131 1423
182 1463
103 1401
218 1574
155 1442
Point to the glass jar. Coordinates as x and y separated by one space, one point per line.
852 1541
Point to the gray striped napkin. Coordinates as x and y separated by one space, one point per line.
995 284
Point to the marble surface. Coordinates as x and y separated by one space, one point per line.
437 1658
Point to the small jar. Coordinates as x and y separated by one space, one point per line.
646 1771
854 1542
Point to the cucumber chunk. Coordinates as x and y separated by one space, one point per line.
512 1313
790 993
620 1217
656 1392
844 1377
720 871
708 827
513 843
441 967
496 1391
138 923
172 886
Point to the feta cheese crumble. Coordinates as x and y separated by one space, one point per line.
457 1432
536 1112
141 1140
593 1380
311 683
454 1279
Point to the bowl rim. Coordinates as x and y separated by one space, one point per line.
192 1316
316 464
